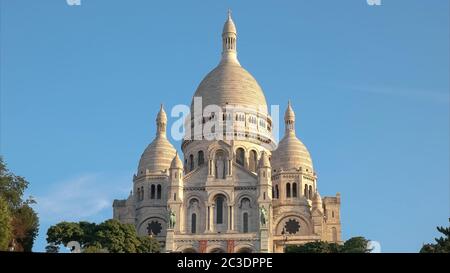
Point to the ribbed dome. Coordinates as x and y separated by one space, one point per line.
159 154
291 153
229 83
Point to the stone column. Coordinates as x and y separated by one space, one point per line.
231 219
170 242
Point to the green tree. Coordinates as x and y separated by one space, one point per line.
109 236
26 226
24 220
5 225
314 247
12 187
442 244
352 245
148 245
64 232
117 237
356 245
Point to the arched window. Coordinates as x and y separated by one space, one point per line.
158 192
288 190
334 234
310 196
305 192
240 156
142 193
273 192
194 223
294 189
253 159
332 214
277 191
138 194
201 158
245 222
152 192
219 210
191 163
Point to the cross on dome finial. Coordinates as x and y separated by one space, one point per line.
229 14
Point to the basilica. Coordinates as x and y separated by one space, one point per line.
242 192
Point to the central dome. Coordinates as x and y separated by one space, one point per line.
230 84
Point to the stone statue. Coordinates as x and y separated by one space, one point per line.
220 168
263 213
172 219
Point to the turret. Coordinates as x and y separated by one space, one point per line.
175 191
264 179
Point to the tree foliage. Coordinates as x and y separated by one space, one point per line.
5 225
442 244
352 245
24 222
109 236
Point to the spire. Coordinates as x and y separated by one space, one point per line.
161 122
176 162
229 39
289 119
264 161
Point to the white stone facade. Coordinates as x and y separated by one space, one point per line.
223 188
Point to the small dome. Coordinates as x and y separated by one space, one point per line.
176 162
264 161
291 153
158 155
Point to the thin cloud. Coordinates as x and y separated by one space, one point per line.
84 197
430 95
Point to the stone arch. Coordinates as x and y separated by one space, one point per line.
215 147
142 227
304 222
334 234
189 250
212 195
242 222
191 162
244 248
216 249
198 210
245 195
200 158
240 156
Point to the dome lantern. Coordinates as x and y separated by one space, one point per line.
229 39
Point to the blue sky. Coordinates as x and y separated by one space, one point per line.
80 88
